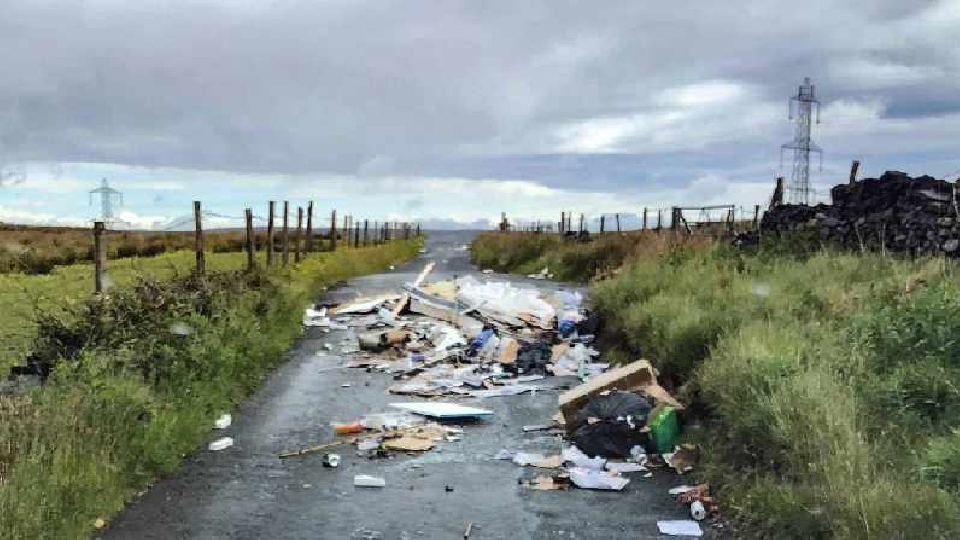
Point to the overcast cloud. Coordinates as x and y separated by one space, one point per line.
453 111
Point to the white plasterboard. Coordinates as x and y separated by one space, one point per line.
436 409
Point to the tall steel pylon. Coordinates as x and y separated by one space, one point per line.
798 190
107 194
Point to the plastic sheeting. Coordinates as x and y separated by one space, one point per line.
503 300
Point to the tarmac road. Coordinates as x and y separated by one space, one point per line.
246 492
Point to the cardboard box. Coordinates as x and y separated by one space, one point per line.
632 377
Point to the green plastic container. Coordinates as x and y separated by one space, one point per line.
663 428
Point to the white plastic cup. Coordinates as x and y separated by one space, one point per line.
697 511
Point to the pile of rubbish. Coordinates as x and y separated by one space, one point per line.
466 338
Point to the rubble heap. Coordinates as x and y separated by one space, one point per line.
894 212
452 346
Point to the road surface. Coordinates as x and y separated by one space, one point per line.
246 492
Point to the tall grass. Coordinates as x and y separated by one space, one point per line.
129 396
570 259
827 383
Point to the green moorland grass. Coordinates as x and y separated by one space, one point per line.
569 259
828 385
24 297
38 250
129 396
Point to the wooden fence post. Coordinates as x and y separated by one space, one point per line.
270 213
333 230
643 224
297 238
345 229
418 229
251 248
853 171
581 224
309 227
375 239
98 227
198 240
563 221
756 216
356 234
659 219
603 220
285 235
366 224
617 216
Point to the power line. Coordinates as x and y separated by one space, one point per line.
107 195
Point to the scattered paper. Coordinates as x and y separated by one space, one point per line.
409 444
595 479
550 462
625 467
680 527
579 459
221 444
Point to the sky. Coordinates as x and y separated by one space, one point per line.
448 112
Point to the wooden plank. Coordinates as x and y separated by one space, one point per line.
406 297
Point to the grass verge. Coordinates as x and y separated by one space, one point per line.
130 397
826 386
569 259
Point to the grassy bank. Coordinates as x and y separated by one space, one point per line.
828 385
141 375
825 387
569 259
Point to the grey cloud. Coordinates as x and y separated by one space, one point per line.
368 87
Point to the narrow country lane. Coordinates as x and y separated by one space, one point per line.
246 492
